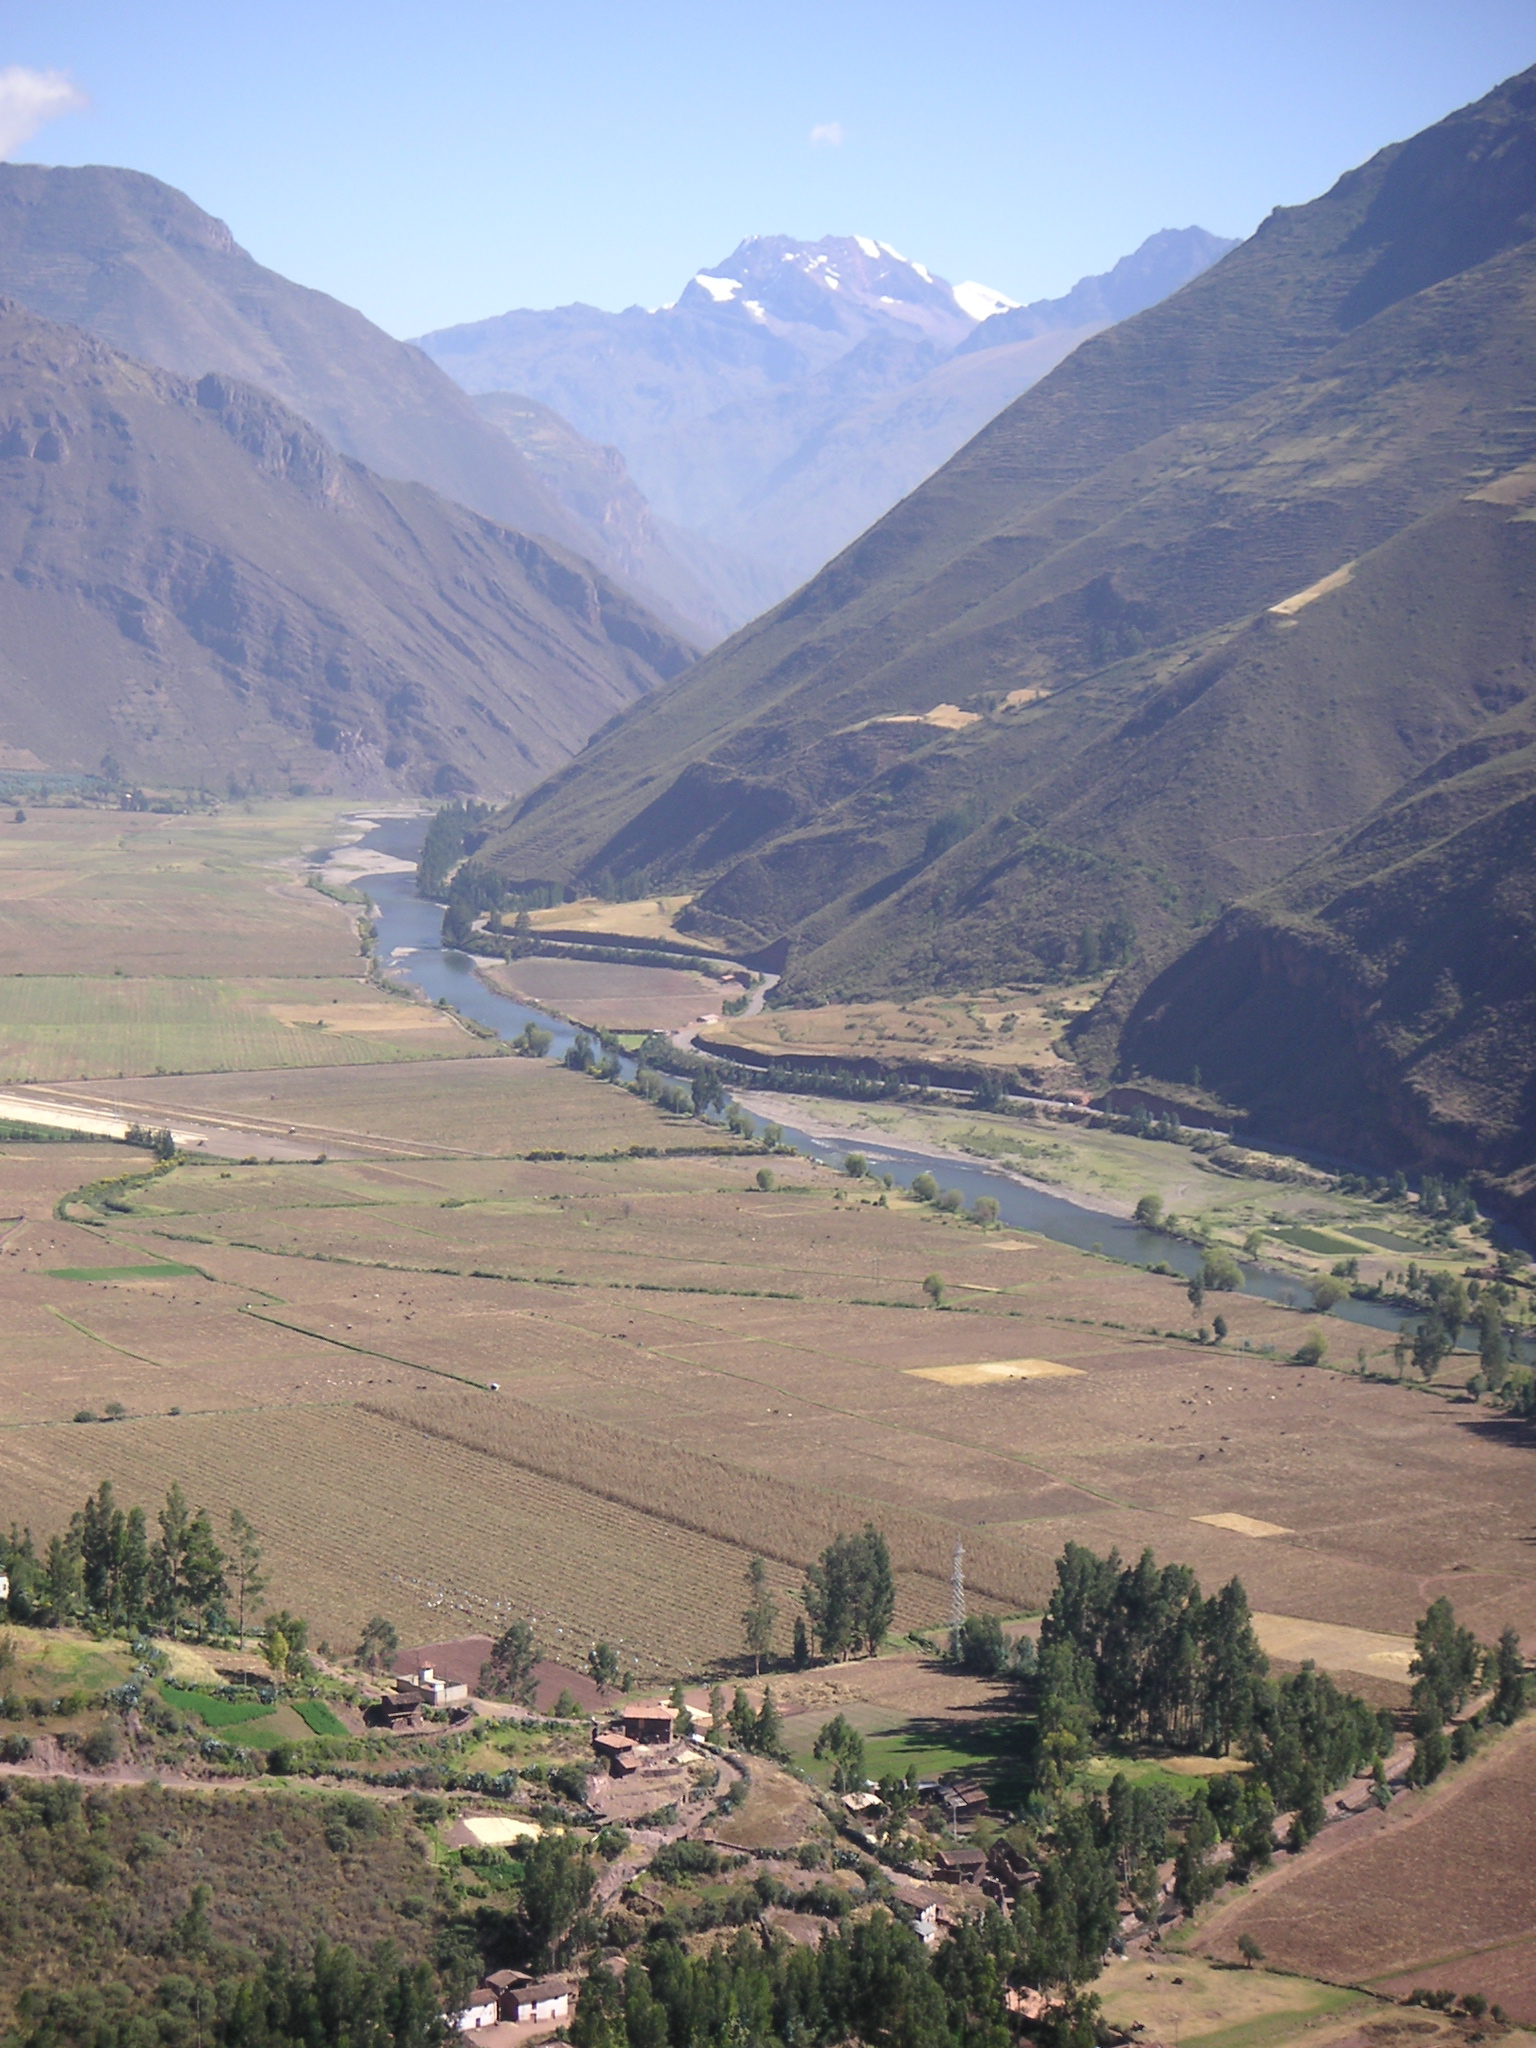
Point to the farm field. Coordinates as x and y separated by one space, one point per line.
1439 1891
221 894
647 917
136 944
1188 2000
63 1027
690 1370
612 997
488 1108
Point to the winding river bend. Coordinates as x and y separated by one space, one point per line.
410 948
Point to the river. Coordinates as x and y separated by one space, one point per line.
409 931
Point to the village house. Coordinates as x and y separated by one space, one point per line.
548 1998
964 1803
438 1692
515 1997
399 1712
649 1724
616 1751
959 1866
481 2011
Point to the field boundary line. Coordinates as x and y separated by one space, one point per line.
362 1350
122 1350
617 1497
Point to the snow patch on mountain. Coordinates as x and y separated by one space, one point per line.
721 289
980 301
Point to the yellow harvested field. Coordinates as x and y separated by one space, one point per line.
994 1369
1332 1648
1005 1027
1244 1525
496 1830
67 1027
646 918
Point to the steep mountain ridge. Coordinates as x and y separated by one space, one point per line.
1210 596
202 587
138 263
794 391
1381 999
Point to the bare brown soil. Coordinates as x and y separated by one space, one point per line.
747 1355
613 997
1439 1891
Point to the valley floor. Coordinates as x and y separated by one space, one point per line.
478 1337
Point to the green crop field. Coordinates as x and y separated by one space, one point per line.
168 1271
212 1711
317 1717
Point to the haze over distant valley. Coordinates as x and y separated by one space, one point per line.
796 391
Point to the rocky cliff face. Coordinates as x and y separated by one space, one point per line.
199 585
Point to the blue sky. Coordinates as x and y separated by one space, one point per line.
437 163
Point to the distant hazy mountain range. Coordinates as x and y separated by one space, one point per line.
1209 660
137 263
197 584
794 392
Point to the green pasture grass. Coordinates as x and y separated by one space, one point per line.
1305 1239
167 1271
1390 1241
927 1747
212 1712
65 1027
317 1717
1269 2029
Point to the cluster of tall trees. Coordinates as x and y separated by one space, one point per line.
850 1594
1146 1656
108 1567
1137 1653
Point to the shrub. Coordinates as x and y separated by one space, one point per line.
856 1166
1220 1271
1328 1292
1312 1349
1149 1212
925 1187
101 1746
765 1179
951 1202
984 1210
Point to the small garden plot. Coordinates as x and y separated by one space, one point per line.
1301 1237
318 1718
108 1274
214 1712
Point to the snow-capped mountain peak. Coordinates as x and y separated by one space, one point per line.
849 284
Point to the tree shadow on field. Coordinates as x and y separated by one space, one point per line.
1510 1430
996 1752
